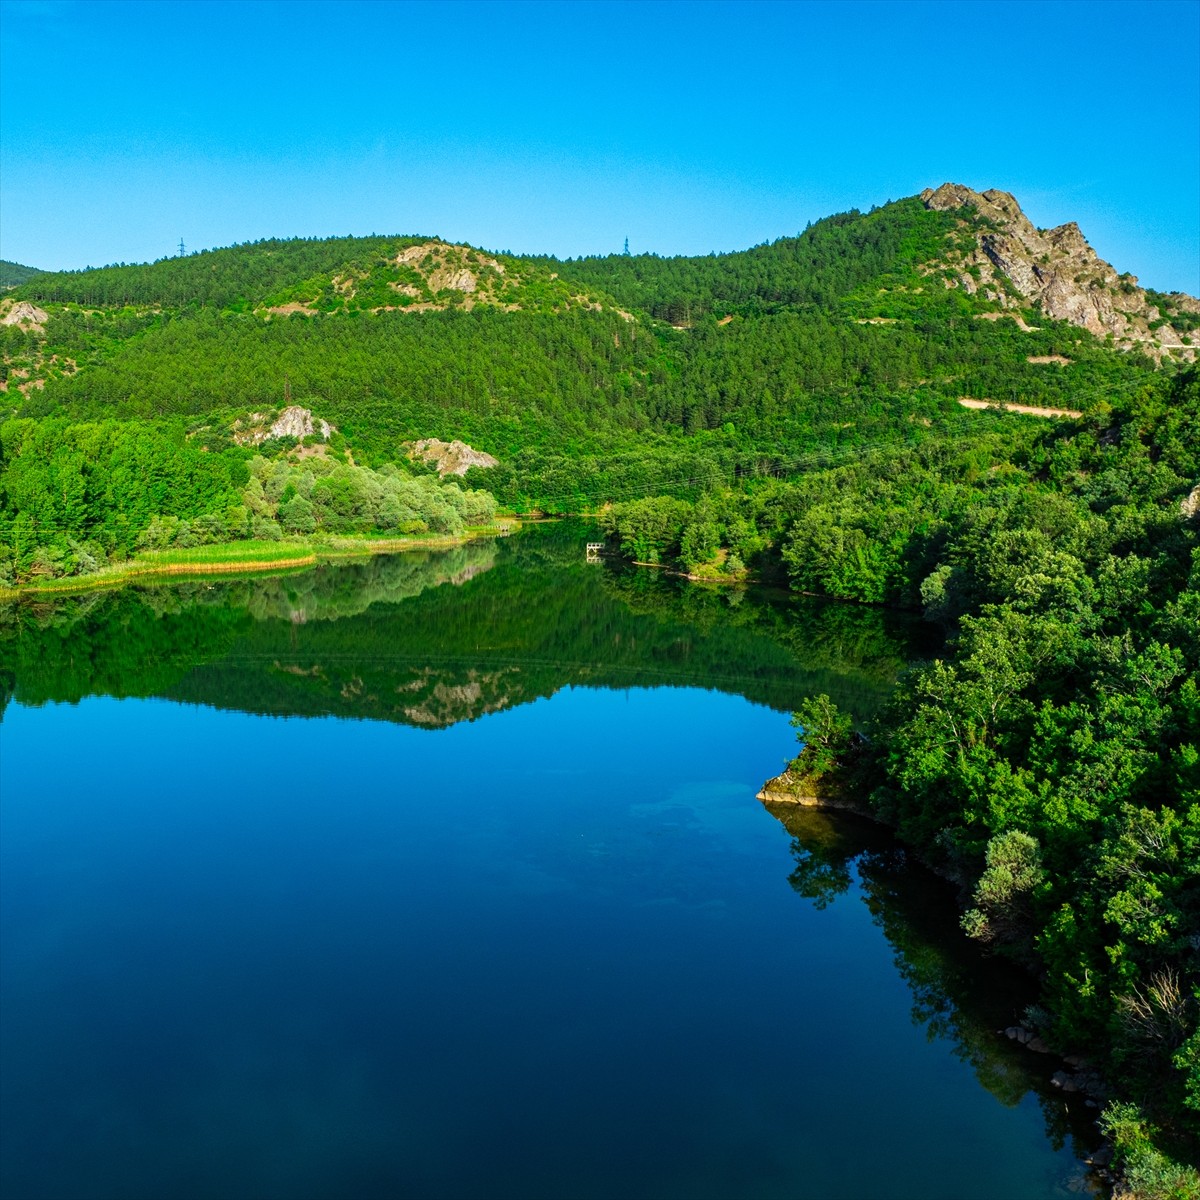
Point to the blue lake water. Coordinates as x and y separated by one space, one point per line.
555 950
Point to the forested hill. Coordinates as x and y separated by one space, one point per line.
13 274
591 380
819 268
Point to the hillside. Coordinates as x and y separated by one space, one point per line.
839 336
589 381
13 274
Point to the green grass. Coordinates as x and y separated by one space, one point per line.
257 556
229 552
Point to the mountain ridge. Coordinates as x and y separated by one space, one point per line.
1059 272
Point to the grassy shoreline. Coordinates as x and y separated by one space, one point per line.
247 557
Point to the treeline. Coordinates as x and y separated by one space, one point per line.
75 498
13 274
329 274
234 277
817 269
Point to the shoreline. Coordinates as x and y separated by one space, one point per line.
208 560
784 793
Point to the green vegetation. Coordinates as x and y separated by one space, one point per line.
532 617
14 274
78 499
790 411
1148 1173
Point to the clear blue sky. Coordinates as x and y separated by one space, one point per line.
564 128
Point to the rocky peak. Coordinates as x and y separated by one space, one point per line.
1069 239
1057 271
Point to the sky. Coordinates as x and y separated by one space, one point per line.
566 128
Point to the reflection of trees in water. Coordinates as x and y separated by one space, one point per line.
386 639
960 994
335 592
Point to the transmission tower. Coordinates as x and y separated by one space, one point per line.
626 251
181 247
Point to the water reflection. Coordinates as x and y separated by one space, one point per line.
661 866
960 994
430 639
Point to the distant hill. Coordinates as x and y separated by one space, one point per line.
864 327
279 277
14 274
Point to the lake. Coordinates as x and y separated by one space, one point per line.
443 875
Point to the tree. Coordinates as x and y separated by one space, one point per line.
824 732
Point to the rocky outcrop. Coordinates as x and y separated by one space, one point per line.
294 421
26 314
297 422
806 791
453 268
1189 506
1017 265
450 458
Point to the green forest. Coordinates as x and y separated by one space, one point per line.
789 413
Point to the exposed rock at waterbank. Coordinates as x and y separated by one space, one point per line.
827 791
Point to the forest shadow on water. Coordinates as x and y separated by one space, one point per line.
960 992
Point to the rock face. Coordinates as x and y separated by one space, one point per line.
24 313
1189 506
297 422
451 458
294 421
1056 270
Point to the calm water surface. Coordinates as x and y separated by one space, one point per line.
524 932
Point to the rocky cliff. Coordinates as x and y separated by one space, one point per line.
1018 265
